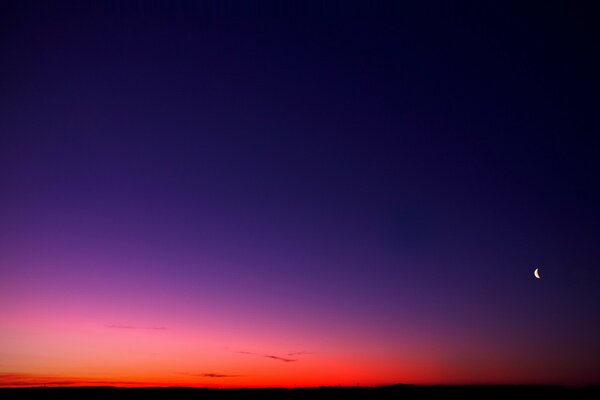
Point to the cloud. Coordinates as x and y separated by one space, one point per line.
131 327
213 375
272 357
120 326
15 379
302 353
280 358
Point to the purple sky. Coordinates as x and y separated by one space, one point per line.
379 181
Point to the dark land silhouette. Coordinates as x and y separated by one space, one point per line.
403 392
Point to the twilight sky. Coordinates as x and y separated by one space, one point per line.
230 195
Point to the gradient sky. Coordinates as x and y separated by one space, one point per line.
230 195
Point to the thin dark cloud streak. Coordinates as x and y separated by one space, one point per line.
213 375
271 356
13 379
131 327
302 353
281 358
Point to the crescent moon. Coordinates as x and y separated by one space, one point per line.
536 273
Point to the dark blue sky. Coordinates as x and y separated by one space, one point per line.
402 165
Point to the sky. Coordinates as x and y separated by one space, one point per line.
228 194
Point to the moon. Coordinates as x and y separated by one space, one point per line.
536 273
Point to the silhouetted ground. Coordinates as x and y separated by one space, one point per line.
402 392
